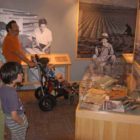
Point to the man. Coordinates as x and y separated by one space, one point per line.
12 49
42 37
104 55
128 30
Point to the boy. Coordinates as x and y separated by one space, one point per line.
2 61
11 73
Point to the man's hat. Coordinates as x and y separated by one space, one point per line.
105 35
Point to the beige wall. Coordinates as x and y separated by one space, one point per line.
62 18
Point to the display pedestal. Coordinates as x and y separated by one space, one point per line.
99 125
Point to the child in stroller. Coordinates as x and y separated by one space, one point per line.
52 85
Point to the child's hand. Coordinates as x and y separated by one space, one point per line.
59 77
51 66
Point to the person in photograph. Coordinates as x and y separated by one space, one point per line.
2 32
11 48
2 36
2 61
128 30
11 74
42 37
104 54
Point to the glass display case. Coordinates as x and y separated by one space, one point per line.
105 124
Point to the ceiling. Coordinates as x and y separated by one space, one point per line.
123 3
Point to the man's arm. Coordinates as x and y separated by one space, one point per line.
22 56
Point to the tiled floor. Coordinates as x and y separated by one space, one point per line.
58 124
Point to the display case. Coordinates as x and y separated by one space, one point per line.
99 124
94 124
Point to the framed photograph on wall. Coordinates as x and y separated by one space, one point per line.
96 18
34 34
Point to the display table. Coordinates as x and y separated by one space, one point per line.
93 124
59 60
99 125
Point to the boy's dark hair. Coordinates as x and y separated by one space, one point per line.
9 72
9 25
42 21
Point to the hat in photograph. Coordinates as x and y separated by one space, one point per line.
105 35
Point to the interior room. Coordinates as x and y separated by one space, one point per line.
79 66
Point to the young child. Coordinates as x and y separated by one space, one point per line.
11 73
48 69
59 82
2 61
62 85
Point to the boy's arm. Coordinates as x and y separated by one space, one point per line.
1 63
17 118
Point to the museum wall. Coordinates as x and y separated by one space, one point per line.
61 16
62 20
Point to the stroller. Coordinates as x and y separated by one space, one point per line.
50 88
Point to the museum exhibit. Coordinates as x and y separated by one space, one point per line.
70 70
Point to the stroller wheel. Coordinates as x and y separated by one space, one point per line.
38 93
45 104
71 98
52 98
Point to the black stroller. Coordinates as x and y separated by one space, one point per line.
51 88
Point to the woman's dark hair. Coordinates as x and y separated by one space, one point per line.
9 72
9 25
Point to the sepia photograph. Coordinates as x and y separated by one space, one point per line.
97 21
34 34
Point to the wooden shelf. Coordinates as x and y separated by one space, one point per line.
56 59
59 60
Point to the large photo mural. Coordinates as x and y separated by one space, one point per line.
118 24
34 35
